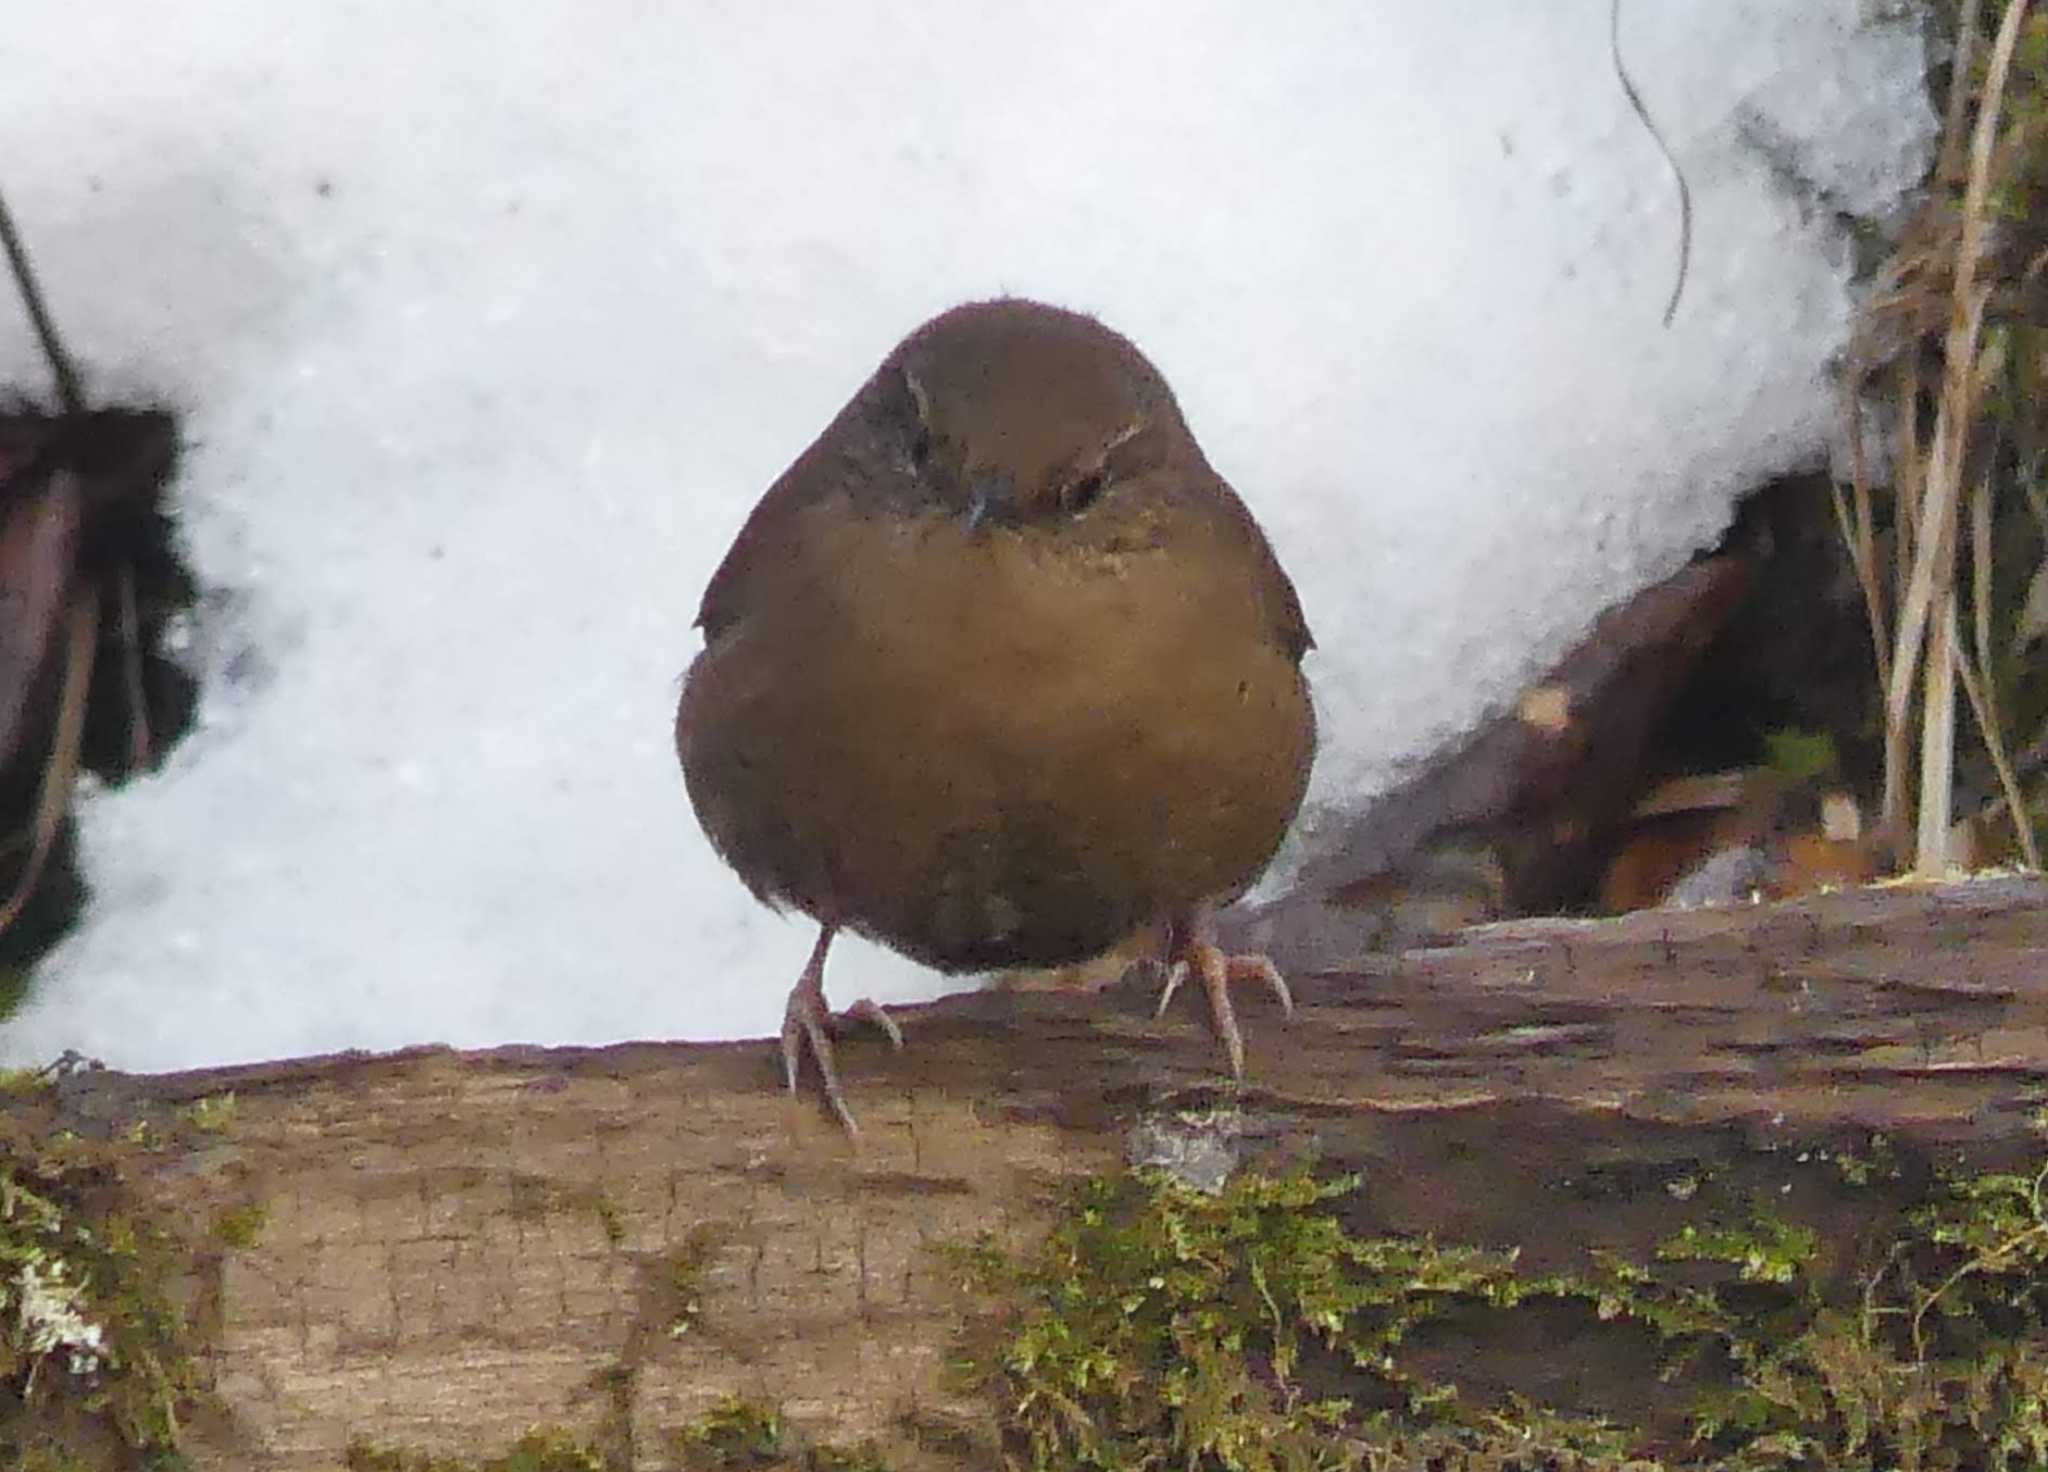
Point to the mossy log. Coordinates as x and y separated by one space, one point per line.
440 1250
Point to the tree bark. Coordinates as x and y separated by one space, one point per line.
458 1246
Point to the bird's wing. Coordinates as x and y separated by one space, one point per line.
862 454
1274 589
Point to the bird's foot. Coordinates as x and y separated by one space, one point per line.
808 1019
1205 959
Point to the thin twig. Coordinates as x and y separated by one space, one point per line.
1635 101
139 745
1931 839
69 395
1976 212
2011 798
1991 1257
1981 687
1958 92
1908 480
1926 606
1912 453
1858 532
62 768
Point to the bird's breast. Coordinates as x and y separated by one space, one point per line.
997 746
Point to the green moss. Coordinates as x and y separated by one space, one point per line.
238 1227
1936 1357
733 1433
92 1351
1801 755
14 980
1249 1332
1164 1326
1764 1250
678 1277
544 1449
211 1115
739 1433
16 1083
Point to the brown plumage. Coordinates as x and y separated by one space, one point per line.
1000 669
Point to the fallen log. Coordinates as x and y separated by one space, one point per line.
439 1249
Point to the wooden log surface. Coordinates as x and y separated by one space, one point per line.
457 1246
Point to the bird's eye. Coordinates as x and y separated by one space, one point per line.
1086 491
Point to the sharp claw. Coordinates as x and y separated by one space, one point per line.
814 1025
1223 1016
839 1107
1259 969
1233 1052
870 1011
1218 971
807 1019
792 1048
1175 975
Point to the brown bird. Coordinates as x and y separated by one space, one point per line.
1001 670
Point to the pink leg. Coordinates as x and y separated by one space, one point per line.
1191 946
808 1019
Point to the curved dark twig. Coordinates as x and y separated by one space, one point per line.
1635 101
61 770
68 392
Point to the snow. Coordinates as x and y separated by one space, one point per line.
489 323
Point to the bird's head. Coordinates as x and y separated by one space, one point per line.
1026 415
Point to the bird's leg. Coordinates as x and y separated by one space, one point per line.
1191 947
807 1018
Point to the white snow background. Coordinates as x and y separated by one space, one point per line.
490 322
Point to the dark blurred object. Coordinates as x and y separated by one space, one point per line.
1795 656
81 506
87 581
1726 837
